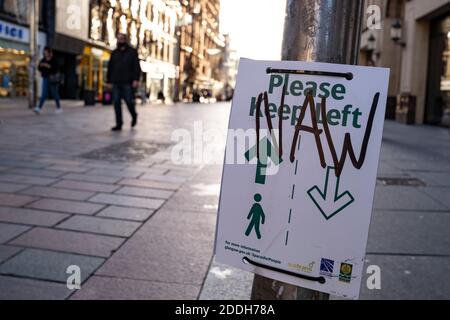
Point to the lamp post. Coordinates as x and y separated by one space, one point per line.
322 31
33 17
184 21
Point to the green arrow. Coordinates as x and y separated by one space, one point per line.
330 202
266 152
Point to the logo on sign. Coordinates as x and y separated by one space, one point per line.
326 267
306 269
345 274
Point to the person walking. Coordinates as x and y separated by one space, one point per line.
48 67
123 74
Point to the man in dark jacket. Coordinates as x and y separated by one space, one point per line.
123 73
50 80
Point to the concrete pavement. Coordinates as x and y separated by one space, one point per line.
140 227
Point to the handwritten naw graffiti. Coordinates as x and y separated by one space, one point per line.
347 148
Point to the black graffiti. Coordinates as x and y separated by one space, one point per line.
347 148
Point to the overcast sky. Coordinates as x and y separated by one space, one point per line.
255 27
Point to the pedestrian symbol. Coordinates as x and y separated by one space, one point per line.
256 217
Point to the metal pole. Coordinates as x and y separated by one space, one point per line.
33 16
321 31
177 60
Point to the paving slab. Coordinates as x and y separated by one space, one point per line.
434 179
58 193
48 265
12 288
409 278
10 231
85 186
145 192
150 184
8 187
404 198
163 178
14 200
30 216
199 197
69 241
105 226
36 172
127 201
7 252
68 168
21 163
90 178
107 288
63 162
226 283
67 206
413 233
15 178
116 173
126 213
173 246
440 194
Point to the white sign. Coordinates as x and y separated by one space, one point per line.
14 32
73 18
301 213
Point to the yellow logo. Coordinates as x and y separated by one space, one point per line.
306 269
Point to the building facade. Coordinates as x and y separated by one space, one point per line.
201 46
178 56
14 46
150 25
181 50
414 42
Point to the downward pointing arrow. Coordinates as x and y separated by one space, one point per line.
329 201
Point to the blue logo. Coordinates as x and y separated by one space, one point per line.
326 267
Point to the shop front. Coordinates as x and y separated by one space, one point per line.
14 59
91 70
437 109
158 79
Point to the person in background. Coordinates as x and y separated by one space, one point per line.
49 70
123 74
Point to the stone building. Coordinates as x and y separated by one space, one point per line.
413 40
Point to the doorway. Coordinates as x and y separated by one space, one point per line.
437 111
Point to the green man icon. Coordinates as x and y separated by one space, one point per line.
256 217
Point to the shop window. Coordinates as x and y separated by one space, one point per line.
17 8
13 74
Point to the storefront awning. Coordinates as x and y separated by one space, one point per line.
6 44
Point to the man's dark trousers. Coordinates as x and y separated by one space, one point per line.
125 92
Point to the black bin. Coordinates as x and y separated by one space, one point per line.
89 98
